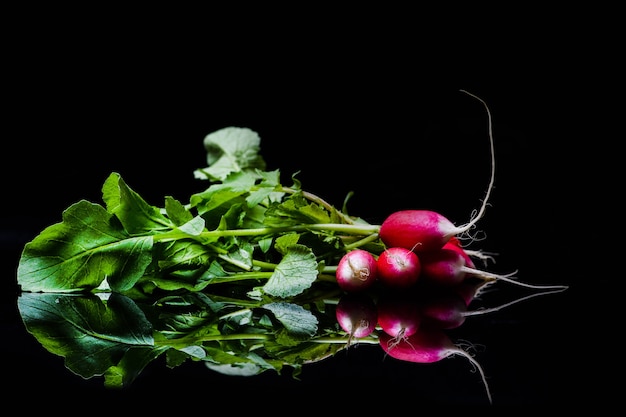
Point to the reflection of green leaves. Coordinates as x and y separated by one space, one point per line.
91 334
230 363
88 246
117 337
131 365
236 369
298 321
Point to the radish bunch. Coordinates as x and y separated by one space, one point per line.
420 246
426 280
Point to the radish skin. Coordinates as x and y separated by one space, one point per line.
454 245
398 268
417 230
443 267
356 270
428 345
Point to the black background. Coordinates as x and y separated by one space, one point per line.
377 112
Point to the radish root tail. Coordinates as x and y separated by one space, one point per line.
477 366
478 215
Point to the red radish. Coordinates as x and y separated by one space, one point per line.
398 315
447 267
356 270
398 267
444 267
417 230
469 288
455 245
468 254
428 345
425 230
356 314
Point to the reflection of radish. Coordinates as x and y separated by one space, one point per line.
398 267
427 345
356 270
398 315
471 289
356 314
447 307
445 310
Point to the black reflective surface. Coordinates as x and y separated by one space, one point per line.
397 143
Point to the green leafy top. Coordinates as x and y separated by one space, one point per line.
246 226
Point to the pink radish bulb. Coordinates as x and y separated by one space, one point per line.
417 230
447 267
356 270
398 315
443 267
398 267
428 345
455 245
357 315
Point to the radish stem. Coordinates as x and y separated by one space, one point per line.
357 229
